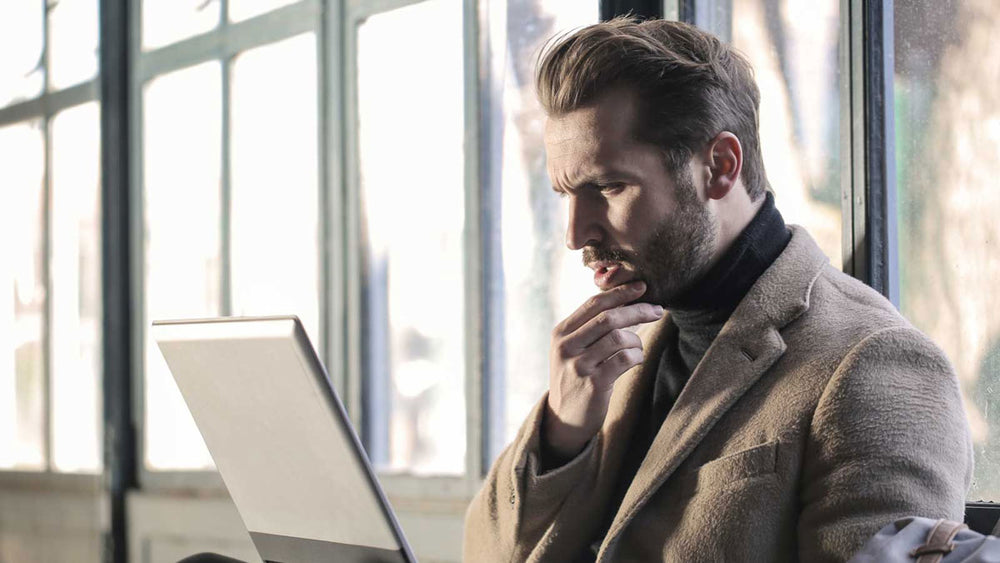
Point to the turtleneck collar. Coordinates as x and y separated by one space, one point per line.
729 280
701 312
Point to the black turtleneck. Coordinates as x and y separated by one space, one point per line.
701 312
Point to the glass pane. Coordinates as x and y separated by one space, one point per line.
413 197
22 297
76 290
543 281
947 130
21 42
169 21
793 47
182 148
240 10
275 198
72 42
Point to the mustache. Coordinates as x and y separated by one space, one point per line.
595 253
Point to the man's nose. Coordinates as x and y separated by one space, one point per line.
582 227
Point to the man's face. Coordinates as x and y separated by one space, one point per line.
632 218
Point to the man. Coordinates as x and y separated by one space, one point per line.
773 408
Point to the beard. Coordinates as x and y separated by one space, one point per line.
676 255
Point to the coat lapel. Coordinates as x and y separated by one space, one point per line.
748 345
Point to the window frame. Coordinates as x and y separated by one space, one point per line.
45 107
223 44
405 485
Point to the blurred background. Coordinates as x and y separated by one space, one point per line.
376 168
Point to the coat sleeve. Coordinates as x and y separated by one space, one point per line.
889 438
511 517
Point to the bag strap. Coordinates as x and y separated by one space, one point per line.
938 542
996 529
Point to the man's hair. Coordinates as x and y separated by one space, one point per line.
689 85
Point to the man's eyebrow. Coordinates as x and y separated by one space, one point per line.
596 181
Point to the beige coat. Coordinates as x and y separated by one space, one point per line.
817 416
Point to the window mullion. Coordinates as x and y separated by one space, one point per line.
226 192
47 362
117 234
475 305
47 247
332 158
492 395
641 8
880 166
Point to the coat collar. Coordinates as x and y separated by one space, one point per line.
747 346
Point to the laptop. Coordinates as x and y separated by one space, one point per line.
281 440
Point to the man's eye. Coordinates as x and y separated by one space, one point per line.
612 188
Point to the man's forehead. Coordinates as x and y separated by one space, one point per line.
596 134
610 117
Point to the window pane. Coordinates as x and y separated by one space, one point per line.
240 10
947 130
76 290
543 281
182 149
275 199
72 42
413 198
21 43
793 47
22 297
169 21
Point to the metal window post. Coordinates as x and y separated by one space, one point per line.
119 434
880 144
641 8
870 249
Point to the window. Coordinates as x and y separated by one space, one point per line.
24 283
412 183
50 221
183 246
947 130
75 338
230 188
543 282
794 49
168 21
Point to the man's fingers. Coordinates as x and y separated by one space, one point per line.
606 321
609 345
614 297
622 361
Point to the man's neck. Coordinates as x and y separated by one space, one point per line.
701 312
752 251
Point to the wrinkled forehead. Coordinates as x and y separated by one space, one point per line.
594 133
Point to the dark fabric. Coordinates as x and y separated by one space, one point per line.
729 280
210 558
703 310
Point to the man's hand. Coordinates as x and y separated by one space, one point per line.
590 350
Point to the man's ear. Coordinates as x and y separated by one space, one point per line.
725 160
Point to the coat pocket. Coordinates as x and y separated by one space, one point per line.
753 462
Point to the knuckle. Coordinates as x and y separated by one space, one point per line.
634 356
561 349
601 319
632 339
617 337
559 330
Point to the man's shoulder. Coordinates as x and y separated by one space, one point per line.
844 312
